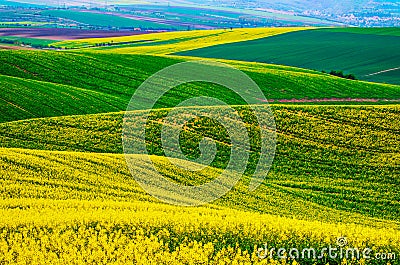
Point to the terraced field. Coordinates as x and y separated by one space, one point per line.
68 197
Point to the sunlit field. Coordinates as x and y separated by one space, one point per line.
68 195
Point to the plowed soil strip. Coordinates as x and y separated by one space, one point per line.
331 100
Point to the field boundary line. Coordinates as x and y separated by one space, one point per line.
384 71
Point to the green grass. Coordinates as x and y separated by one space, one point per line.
357 51
37 81
105 20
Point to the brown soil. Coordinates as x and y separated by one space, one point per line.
64 33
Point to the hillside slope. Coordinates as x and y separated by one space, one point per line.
357 51
329 158
97 83
73 208
68 197
24 99
334 175
169 42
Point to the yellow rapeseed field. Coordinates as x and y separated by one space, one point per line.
82 208
172 42
334 174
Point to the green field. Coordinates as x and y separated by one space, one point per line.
370 31
68 197
42 43
357 51
95 83
105 20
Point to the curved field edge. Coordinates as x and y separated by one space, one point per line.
391 31
333 159
68 207
34 82
169 42
356 51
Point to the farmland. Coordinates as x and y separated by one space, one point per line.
370 31
31 42
95 83
214 17
170 42
357 51
104 20
114 211
318 136
69 197
43 38
62 33
149 15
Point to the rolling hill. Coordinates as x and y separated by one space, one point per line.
35 82
332 170
68 197
312 140
357 51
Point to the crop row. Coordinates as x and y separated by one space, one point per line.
114 79
341 166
